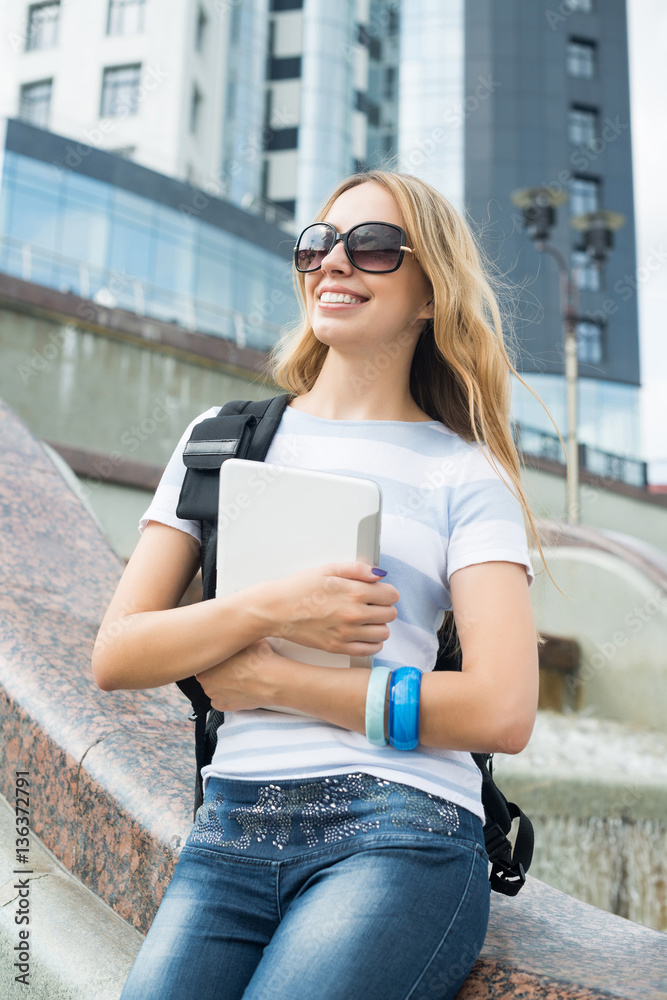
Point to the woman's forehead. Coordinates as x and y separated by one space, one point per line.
366 202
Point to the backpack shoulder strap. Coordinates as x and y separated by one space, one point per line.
508 867
240 429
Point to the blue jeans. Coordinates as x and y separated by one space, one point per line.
341 888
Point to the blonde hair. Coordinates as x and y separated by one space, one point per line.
460 373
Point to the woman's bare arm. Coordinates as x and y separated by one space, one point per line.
489 706
146 640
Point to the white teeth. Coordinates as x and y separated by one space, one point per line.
338 297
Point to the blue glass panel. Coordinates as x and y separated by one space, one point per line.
67 278
211 321
170 220
12 260
9 165
85 234
34 219
133 206
47 178
170 308
131 250
174 264
214 279
217 239
88 190
6 199
38 266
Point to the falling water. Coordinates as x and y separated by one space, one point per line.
596 792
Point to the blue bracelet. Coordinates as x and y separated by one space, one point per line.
376 700
404 708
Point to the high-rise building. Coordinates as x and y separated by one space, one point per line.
480 99
267 104
139 78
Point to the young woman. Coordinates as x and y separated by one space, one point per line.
325 862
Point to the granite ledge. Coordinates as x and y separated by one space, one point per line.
112 773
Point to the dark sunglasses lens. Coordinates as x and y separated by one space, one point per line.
314 244
375 247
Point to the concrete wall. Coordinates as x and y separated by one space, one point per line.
618 615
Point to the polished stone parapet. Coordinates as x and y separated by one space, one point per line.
111 774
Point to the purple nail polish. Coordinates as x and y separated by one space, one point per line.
379 572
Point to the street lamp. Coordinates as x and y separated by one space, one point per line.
538 207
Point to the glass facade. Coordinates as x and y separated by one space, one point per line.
74 233
432 105
608 418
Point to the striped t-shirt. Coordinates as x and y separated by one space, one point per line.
443 507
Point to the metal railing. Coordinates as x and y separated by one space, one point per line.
116 289
617 468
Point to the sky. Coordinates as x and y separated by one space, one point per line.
647 28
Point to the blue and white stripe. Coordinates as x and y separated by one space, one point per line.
443 507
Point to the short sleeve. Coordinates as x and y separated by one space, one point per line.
486 522
165 500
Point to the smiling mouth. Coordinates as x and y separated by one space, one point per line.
338 306
330 300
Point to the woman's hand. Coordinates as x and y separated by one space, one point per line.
242 681
338 607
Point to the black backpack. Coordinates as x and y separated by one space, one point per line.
243 429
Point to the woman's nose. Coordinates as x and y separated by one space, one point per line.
336 259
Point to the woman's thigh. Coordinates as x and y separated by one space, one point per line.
208 935
388 922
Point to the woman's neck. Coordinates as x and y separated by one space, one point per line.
348 409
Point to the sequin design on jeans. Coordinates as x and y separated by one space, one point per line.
322 809
208 828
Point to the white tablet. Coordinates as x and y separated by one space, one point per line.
274 520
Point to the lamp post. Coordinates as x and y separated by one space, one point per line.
538 207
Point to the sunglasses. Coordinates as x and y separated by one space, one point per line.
377 247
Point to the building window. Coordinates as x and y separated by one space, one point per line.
375 49
363 37
584 195
286 4
200 33
195 109
580 59
589 343
126 17
42 25
282 138
389 82
35 103
126 152
120 90
579 6
230 98
288 205
587 275
287 68
582 126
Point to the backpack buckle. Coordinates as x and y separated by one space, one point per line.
495 841
507 878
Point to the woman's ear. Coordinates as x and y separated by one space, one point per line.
426 312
